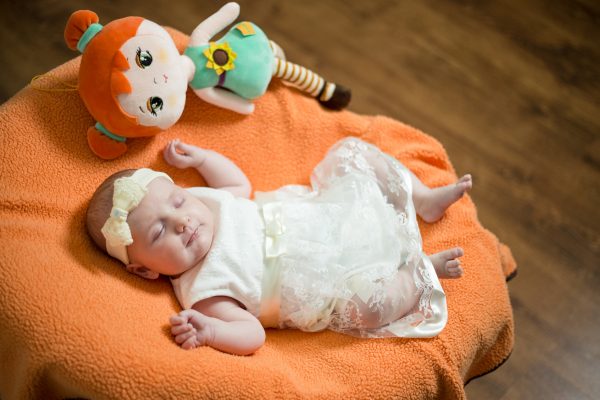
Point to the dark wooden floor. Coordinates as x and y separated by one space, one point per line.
511 88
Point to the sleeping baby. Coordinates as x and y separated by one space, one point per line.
344 254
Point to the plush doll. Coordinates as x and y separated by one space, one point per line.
133 80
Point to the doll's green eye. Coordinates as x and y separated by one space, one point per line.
154 103
143 58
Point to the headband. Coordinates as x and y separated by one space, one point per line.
128 193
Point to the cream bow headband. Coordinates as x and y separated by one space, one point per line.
128 193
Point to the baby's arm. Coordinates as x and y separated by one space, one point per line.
218 171
218 322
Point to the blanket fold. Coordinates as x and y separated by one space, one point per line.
74 323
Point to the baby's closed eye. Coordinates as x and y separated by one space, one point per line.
179 201
157 232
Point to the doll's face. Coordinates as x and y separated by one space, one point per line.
157 77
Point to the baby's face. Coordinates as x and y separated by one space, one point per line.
172 230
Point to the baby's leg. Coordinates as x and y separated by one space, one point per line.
398 296
354 155
447 264
394 300
431 204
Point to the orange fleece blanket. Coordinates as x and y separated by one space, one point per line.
73 323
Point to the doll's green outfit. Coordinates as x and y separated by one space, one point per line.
241 61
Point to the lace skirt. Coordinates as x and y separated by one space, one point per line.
346 254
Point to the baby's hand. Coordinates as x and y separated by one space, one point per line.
182 155
191 329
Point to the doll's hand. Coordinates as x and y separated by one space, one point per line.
182 155
192 329
214 24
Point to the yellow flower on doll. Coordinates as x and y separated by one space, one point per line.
220 57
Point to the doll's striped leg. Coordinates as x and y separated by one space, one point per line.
277 50
328 94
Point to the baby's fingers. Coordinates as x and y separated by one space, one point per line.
190 344
179 339
179 329
185 148
197 319
175 158
169 151
177 320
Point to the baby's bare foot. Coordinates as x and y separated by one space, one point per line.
447 264
433 206
189 328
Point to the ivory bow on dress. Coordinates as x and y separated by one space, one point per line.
127 195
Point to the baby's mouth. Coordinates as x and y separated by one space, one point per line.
192 237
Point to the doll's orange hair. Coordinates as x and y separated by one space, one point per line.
101 76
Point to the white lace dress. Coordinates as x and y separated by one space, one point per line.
346 255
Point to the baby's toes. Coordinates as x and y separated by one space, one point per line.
466 178
465 183
454 269
457 252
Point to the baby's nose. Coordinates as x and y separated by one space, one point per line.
182 223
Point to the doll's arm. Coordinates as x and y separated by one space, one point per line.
221 323
218 171
225 99
214 24
201 36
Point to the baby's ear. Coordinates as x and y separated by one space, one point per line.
142 271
